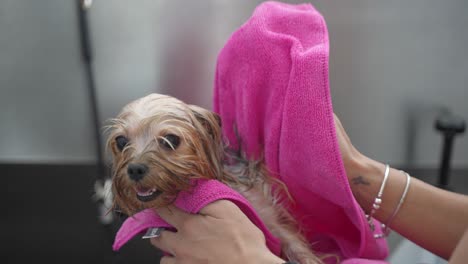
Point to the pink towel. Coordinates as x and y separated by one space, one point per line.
272 87
203 193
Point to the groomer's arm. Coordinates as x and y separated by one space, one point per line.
460 255
431 217
221 233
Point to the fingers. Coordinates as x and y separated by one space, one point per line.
167 260
338 122
173 215
343 137
167 242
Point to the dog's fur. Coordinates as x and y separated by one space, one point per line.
200 153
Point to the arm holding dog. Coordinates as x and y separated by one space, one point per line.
431 217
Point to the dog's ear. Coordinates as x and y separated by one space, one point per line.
209 125
210 120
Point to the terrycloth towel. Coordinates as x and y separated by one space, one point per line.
271 86
203 193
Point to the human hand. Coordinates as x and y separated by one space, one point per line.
349 153
220 233
359 168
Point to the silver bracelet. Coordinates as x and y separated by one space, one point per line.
402 199
378 201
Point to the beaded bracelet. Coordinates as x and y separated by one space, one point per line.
378 201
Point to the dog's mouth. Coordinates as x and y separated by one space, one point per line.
145 194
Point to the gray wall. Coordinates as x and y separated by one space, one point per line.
394 65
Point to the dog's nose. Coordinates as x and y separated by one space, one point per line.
136 171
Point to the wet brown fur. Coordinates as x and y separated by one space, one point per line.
201 154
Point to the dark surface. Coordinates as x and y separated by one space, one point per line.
50 217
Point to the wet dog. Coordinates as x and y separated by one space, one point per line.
159 145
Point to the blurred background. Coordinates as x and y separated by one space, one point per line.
395 68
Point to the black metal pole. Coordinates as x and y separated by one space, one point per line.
444 172
87 56
449 125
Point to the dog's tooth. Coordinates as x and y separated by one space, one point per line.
147 193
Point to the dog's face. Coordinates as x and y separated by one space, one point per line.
158 145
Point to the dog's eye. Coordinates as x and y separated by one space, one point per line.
170 141
121 142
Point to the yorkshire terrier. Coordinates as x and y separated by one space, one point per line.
159 144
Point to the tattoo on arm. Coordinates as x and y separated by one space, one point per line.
360 180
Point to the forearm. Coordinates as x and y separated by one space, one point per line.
460 255
430 217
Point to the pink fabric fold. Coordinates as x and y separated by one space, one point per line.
203 193
272 87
